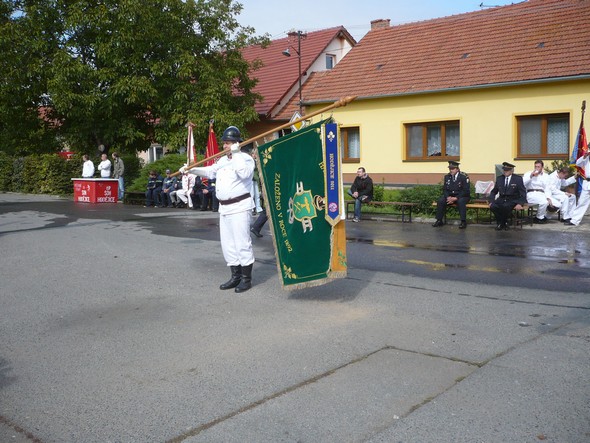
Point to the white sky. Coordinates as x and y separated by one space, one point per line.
277 17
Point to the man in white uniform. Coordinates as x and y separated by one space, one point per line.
564 201
584 198
233 174
538 191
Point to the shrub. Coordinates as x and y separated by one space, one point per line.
171 161
6 171
424 195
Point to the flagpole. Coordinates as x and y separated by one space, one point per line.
337 104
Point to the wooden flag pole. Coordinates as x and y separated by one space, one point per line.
337 104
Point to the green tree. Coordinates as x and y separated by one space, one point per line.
123 73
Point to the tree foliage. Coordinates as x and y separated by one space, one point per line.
121 73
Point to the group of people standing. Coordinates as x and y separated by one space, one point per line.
512 191
106 169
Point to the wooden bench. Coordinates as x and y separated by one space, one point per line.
134 198
405 208
518 215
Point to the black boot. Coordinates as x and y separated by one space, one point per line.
246 280
236 274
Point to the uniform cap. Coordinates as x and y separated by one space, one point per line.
453 164
507 166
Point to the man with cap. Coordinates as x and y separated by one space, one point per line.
456 191
509 193
233 174
538 190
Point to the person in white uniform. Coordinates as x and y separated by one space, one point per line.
584 197
564 201
233 173
538 191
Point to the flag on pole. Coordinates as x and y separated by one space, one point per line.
579 149
310 244
212 146
190 145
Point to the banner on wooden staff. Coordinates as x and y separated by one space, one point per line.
301 177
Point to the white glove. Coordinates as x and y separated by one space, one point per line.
182 170
235 147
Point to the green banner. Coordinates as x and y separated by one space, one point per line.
293 176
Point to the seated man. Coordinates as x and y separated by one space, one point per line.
198 200
154 186
209 201
456 190
167 189
538 191
173 194
362 192
509 193
564 201
184 194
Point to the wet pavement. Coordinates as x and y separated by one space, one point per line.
113 329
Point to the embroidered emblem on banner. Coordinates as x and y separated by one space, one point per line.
304 207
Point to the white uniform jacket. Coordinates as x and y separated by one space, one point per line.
233 179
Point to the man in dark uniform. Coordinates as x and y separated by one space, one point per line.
511 195
455 191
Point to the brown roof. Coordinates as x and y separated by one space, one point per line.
280 73
529 41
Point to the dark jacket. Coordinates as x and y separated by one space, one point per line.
515 193
458 188
364 186
169 184
155 182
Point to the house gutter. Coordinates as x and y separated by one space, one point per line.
462 88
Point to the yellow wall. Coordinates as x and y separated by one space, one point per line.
487 124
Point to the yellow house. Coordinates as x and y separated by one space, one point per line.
481 88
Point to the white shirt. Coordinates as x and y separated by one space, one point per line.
556 183
105 168
233 179
540 181
188 182
88 169
584 163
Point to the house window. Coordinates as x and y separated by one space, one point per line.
156 152
330 61
351 144
543 135
433 140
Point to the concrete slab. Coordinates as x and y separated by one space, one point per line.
346 404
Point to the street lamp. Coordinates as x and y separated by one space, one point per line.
287 53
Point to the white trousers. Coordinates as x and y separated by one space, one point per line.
236 243
538 198
184 195
581 207
566 204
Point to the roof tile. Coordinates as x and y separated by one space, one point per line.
496 45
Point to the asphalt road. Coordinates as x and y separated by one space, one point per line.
114 330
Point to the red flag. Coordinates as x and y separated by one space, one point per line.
190 145
212 147
580 148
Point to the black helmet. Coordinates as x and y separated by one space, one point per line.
231 134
